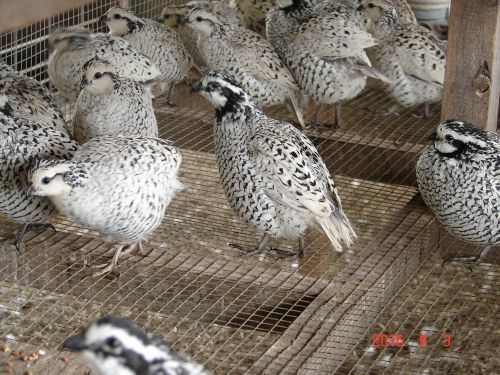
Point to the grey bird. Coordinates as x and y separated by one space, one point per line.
250 58
30 98
116 346
271 172
324 45
22 141
119 186
156 41
459 179
409 54
172 15
253 13
109 104
70 48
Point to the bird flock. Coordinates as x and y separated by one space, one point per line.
107 170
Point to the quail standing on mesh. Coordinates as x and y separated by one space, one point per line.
109 104
70 48
22 140
159 42
171 16
459 179
119 186
116 346
250 59
324 45
30 98
412 56
271 173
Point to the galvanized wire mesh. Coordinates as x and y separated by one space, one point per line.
261 315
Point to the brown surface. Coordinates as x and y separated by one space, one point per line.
470 92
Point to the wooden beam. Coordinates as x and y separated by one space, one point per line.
19 13
472 87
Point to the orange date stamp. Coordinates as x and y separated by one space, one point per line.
397 340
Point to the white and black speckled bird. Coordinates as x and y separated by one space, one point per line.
119 186
250 58
109 105
171 16
116 346
459 179
30 98
271 173
411 55
155 40
70 48
22 140
324 45
253 13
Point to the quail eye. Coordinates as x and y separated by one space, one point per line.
448 138
117 17
112 342
98 75
45 180
199 19
371 5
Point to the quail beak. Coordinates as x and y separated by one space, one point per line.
30 191
184 20
104 18
432 136
196 87
83 84
75 343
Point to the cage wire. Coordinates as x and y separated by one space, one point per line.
317 315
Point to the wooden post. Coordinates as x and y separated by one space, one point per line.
471 85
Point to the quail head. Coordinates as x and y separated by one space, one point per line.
119 186
110 104
253 13
70 48
323 43
250 58
156 41
271 172
411 56
22 141
116 346
458 177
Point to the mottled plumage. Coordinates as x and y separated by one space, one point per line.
153 39
109 105
253 13
172 15
324 46
271 173
72 47
116 346
411 55
22 140
250 59
459 179
119 186
30 98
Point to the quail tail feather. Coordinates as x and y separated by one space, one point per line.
372 72
339 230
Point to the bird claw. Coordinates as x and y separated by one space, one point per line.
472 260
285 255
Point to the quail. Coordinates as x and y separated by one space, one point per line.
119 186
109 104
253 13
324 45
22 140
115 346
271 172
411 56
171 16
250 59
158 42
459 179
70 48
30 98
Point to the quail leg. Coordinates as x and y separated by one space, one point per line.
109 267
23 229
314 124
169 95
263 246
472 260
336 124
427 110
285 255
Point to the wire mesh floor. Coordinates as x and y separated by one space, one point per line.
259 315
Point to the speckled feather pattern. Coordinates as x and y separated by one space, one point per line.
127 110
121 186
74 46
22 140
463 191
30 98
